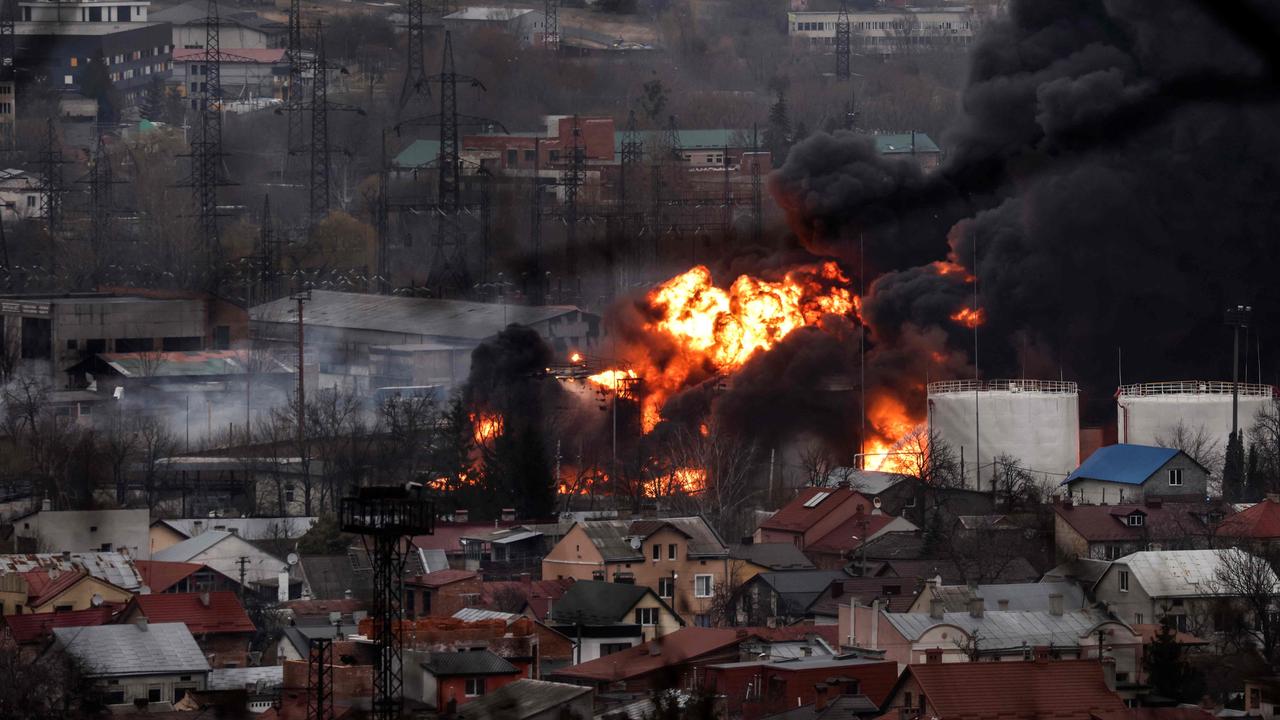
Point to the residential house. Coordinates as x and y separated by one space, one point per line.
781 598
337 577
894 594
17 572
982 634
228 554
525 596
1008 596
605 618
1259 523
765 557
811 515
447 536
527 699
1084 572
441 593
754 689
140 661
171 531
503 552
450 680
159 576
295 640
217 620
1183 587
1130 473
682 559
836 548
1106 532
555 649
54 590
19 192
912 498
80 530
255 689
515 640
1033 690
36 629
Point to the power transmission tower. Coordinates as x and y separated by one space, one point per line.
415 70
573 178
383 220
631 155
297 70
551 25
206 150
385 515
757 196
51 186
268 254
536 295
8 68
320 679
844 34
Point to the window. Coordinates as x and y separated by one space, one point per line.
71 345
75 62
31 201
1175 477
647 616
702 585
597 575
657 551
513 156
95 345
153 694
408 602
611 648
115 697
1137 519
106 547
906 699
817 498
702 620
671 551
68 80
1124 581
1137 618
666 587
180 692
63 608
530 156
222 337
288 494
475 687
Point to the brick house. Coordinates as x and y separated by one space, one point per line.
811 515
216 620
1107 532
53 590
450 680
756 689
683 560
555 649
441 593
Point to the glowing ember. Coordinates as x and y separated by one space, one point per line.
487 427
575 358
619 381
719 330
970 317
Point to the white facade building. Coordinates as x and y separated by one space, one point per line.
888 31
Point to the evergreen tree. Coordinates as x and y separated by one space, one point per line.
1233 479
95 82
153 101
1168 672
777 137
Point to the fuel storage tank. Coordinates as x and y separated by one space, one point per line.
1150 413
1035 422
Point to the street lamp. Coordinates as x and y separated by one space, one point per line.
1236 317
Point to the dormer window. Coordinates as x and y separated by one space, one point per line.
1136 520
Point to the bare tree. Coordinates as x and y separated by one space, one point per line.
1264 448
1196 441
817 463
721 465
1249 579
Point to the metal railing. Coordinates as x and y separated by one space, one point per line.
1060 387
1194 387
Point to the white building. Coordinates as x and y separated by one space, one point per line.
19 193
888 31
57 531
105 11
521 23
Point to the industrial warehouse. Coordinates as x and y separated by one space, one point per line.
639 360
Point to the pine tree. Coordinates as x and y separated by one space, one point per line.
1233 485
777 137
153 101
1168 672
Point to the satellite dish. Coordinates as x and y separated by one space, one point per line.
96 601
292 559
635 543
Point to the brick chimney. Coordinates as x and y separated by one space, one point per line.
976 607
1055 604
526 579
820 696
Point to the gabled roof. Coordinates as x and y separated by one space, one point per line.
842 707
191 547
34 627
1165 521
1259 522
1021 596
440 578
684 645
474 662
538 594
1085 571
613 537
592 602
774 556
128 649
1017 570
895 594
1001 628
1122 463
159 575
1062 689
854 532
809 506
1179 573
797 589
521 699
223 612
330 577
41 588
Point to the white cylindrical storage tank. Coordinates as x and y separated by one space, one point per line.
1035 422
1160 413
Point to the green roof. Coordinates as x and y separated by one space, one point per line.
689 139
912 142
418 154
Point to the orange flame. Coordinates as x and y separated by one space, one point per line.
891 423
487 427
619 381
970 317
686 480
719 330
575 358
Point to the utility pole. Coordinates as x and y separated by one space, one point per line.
1237 317
843 37
573 179
551 25
267 255
206 149
301 299
242 561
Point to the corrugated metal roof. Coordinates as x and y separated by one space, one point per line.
1179 573
113 567
191 547
1021 596
999 628
1123 463
424 317
473 614
119 650
271 676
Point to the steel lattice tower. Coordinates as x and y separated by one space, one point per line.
415 72
267 255
101 204
206 150
51 186
8 62
320 679
297 69
844 35
631 155
551 25
757 195
385 515
573 178
448 245
319 204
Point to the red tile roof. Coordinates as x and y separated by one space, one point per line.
862 525
1099 523
160 575
1260 522
1150 713
222 614
41 588
440 578
540 594
303 608
33 628
795 517
1021 690
448 536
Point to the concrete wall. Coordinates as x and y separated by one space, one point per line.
138 687
89 530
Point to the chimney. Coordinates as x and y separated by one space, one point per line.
1154 502
526 579
936 608
141 622
461 516
204 599
508 514
1040 653
1003 604
820 697
1055 604
46 505
976 607
1109 672
933 656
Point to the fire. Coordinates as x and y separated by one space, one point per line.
575 358
969 317
718 330
619 381
686 480
892 424
487 427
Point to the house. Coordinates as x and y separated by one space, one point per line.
238 29
781 597
683 559
112 567
980 634
503 551
609 617
80 530
1259 523
19 193
336 577
447 535
836 548
1031 690
180 577
53 590
1181 587
754 689
1106 532
228 554
1008 596
1129 473
138 662
441 593
450 680
555 649
526 596
527 699
217 620
894 594
253 688
36 629
171 531
765 557
62 47
523 24
811 515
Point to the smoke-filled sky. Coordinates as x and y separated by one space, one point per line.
1116 174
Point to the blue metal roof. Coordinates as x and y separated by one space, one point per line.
1129 464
